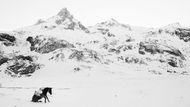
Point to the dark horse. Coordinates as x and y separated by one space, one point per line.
42 94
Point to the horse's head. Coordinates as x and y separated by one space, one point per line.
50 91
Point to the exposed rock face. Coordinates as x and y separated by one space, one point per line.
46 45
58 57
64 20
59 54
176 29
86 55
20 65
125 47
149 47
7 39
12 62
105 32
175 57
39 22
109 23
184 34
3 60
154 48
22 69
29 58
112 23
78 55
31 40
64 13
131 59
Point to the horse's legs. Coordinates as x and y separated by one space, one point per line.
43 96
47 99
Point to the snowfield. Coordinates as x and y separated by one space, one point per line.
97 87
132 92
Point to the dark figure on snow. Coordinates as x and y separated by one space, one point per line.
41 93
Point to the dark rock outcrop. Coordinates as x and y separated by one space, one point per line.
173 56
131 59
46 45
22 69
7 39
29 58
85 55
58 56
3 60
155 48
21 66
78 55
149 47
183 34
112 50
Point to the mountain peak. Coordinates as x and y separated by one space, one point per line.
112 21
63 12
173 25
109 23
62 19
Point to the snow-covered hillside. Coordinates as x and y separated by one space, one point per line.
60 52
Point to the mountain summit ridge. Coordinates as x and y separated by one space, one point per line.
67 20
63 12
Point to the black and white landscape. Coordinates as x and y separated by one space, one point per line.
110 64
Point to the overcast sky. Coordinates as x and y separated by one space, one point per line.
147 13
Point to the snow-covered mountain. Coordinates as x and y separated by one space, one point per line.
62 38
109 64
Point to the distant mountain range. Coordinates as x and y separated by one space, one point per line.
62 38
